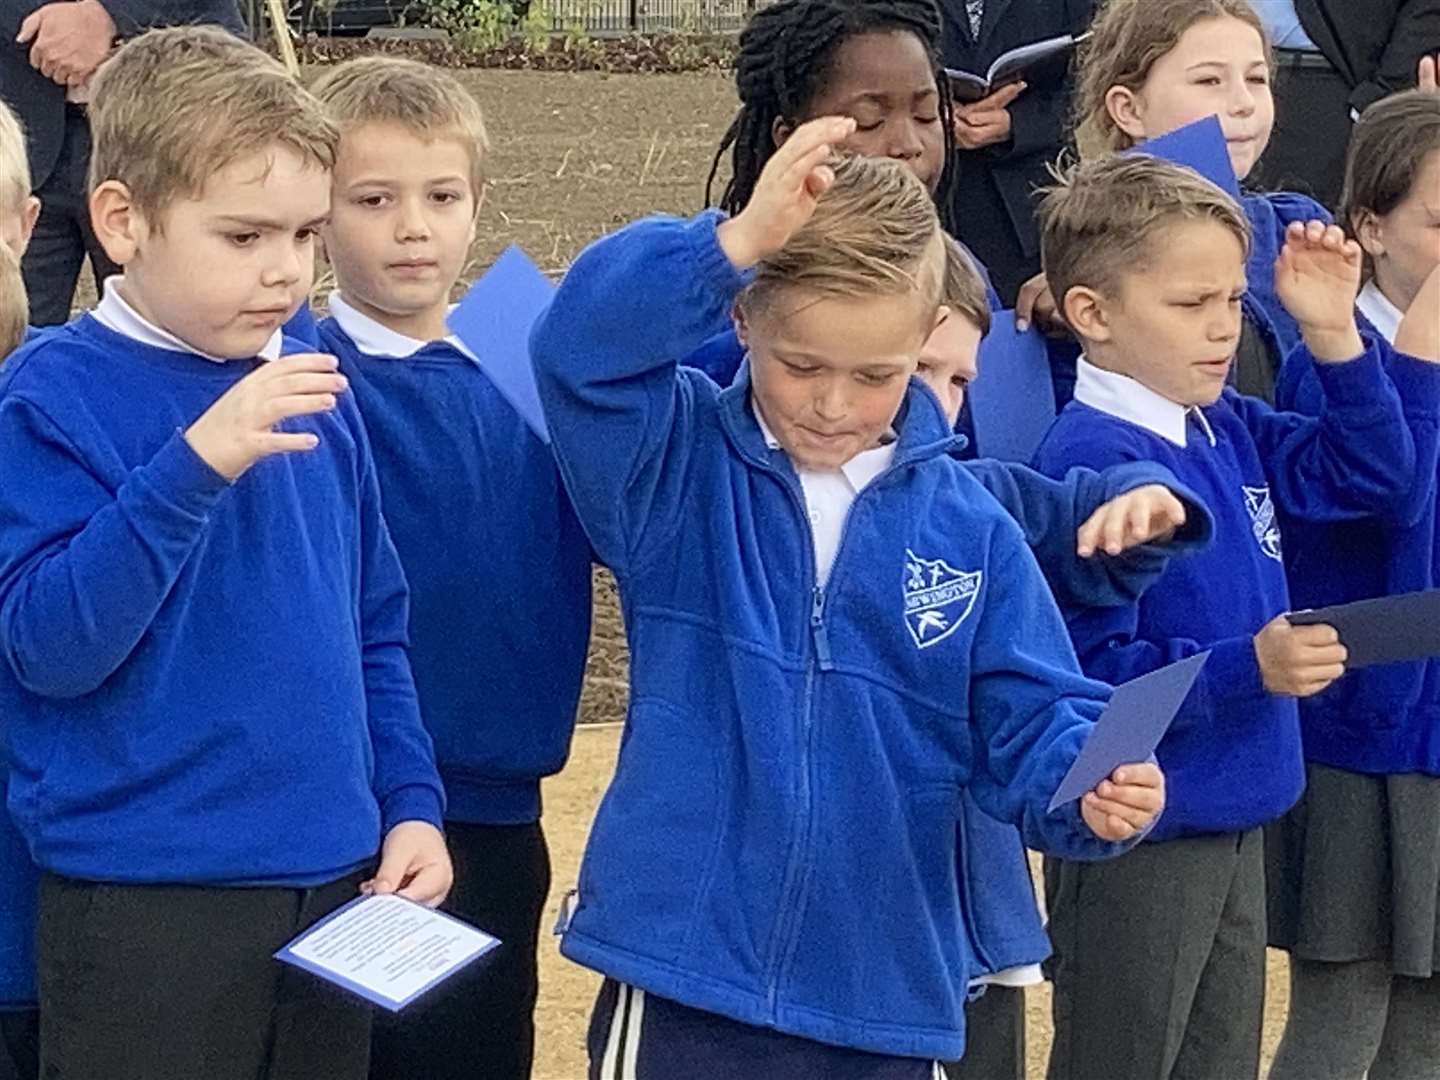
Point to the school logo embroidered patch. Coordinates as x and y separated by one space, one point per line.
938 598
1262 520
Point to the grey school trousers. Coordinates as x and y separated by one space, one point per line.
1159 961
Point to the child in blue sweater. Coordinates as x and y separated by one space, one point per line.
1353 869
770 885
498 566
1151 66
208 712
1149 261
19 1020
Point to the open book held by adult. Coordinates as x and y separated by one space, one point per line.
1026 62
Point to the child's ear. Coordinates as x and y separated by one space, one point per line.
1084 310
29 213
118 223
1369 233
780 130
1124 108
742 324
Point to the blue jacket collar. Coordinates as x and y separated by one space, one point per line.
920 425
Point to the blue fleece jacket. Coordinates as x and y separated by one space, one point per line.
1382 719
498 566
203 682
778 844
1232 758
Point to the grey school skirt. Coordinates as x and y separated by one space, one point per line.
1353 871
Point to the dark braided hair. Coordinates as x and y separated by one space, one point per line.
785 53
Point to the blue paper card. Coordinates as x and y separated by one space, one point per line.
386 949
494 321
1386 630
1199 146
1012 403
1131 727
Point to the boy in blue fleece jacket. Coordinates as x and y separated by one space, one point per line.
498 566
1149 260
207 707
771 884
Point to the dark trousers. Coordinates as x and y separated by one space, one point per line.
994 1037
1159 962
20 1035
634 1036
480 1024
1312 131
143 982
63 239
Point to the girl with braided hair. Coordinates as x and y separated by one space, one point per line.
875 60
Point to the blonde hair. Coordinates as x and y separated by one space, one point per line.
14 163
964 290
1101 219
14 308
173 107
873 233
1126 39
422 99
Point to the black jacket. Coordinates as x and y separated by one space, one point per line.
1004 177
40 103
1376 45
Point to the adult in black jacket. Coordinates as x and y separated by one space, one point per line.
42 78
1005 143
1362 51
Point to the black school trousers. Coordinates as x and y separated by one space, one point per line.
480 1025
143 982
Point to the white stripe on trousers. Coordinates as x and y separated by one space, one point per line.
625 1024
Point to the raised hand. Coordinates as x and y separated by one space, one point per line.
239 429
1419 332
1142 516
1317 278
794 178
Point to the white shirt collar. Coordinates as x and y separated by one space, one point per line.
115 313
375 338
1132 401
859 471
1376 307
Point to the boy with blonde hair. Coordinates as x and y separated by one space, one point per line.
1160 955
499 568
210 717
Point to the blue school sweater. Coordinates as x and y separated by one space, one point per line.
779 842
202 682
498 566
1269 214
1232 758
1386 718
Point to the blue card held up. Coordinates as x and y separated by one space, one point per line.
1386 630
494 321
1131 727
1199 146
1012 403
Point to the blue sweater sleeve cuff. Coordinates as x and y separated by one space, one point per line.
715 268
415 802
1354 384
182 477
1235 669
